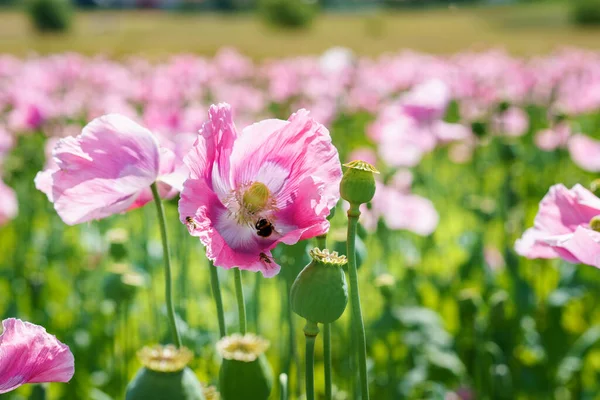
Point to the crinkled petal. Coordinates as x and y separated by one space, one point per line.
28 354
296 148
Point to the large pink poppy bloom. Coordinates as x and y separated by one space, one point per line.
276 181
9 205
562 227
28 354
106 170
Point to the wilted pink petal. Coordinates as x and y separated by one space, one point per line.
28 354
284 173
561 227
102 171
8 204
585 152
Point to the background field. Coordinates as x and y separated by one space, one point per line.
522 30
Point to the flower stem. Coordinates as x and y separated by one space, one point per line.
311 330
216 290
359 326
322 244
239 291
327 357
167 259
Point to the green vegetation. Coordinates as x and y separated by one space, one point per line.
50 15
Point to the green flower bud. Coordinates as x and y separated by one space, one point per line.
121 283
358 183
245 372
595 223
595 187
117 239
38 393
386 284
479 128
469 303
320 292
211 393
165 376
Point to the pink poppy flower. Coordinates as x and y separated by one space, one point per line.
105 170
398 209
10 206
274 182
562 227
553 138
513 122
585 152
28 354
427 101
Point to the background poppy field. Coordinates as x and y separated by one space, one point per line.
451 311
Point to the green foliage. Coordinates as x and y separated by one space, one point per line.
288 13
51 15
585 12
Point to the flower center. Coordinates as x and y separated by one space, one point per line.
595 223
256 197
250 203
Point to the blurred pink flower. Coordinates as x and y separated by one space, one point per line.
553 138
10 206
28 354
364 154
585 152
427 101
562 227
401 211
6 142
512 122
283 174
104 170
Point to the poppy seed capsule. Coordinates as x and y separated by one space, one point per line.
245 372
164 376
320 292
358 182
595 223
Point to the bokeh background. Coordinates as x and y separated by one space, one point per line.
452 312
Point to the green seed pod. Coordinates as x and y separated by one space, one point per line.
245 372
358 183
320 292
165 376
117 239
